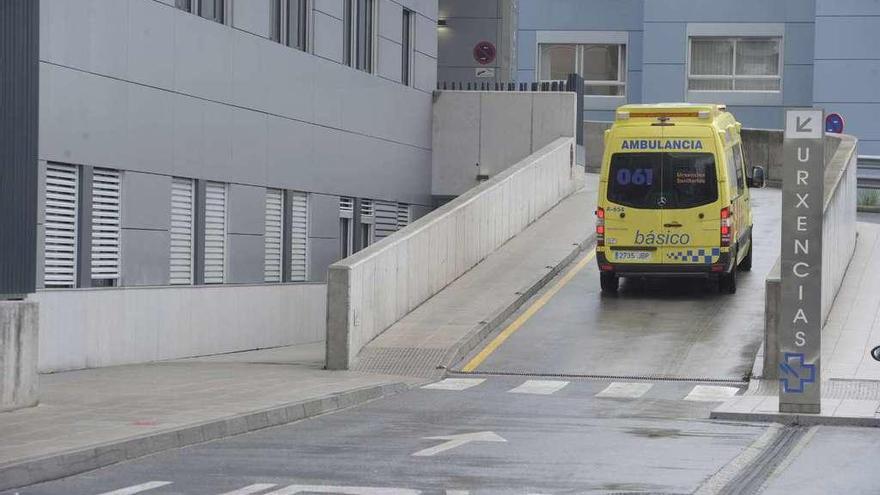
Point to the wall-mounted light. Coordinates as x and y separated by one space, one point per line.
441 23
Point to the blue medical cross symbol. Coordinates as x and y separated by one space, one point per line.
796 372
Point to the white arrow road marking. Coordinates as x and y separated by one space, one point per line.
539 387
251 489
343 490
453 441
620 390
131 490
455 384
709 393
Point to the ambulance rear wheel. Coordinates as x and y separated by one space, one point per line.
727 282
609 281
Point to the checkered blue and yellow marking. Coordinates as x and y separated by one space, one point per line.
706 256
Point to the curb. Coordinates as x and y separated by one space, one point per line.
796 419
467 343
868 209
72 462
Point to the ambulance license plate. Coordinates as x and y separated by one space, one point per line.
631 255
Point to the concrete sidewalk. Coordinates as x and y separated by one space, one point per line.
442 331
850 377
93 418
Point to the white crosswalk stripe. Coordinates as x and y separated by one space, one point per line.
625 390
539 387
711 393
455 384
251 489
131 490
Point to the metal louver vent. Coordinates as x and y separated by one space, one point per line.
346 207
215 232
299 236
274 235
106 204
367 208
59 248
403 215
182 240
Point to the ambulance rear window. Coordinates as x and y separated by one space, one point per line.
662 180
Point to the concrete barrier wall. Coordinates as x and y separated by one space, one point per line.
370 291
19 324
87 328
838 242
494 130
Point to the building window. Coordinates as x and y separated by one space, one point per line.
274 235
106 231
603 66
368 223
734 64
299 236
61 233
185 5
212 10
407 49
346 233
290 22
365 22
182 231
215 232
347 30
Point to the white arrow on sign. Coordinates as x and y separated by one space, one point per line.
803 124
453 441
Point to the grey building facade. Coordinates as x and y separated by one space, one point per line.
211 145
756 56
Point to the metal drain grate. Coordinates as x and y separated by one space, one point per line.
409 361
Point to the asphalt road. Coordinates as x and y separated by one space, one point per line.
657 328
526 432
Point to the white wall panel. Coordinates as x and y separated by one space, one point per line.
390 20
87 328
328 37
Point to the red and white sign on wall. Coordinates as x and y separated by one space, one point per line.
484 53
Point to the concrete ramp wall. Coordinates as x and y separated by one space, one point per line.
370 291
838 241
484 132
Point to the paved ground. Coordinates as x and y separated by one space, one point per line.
489 433
90 407
567 441
672 328
422 342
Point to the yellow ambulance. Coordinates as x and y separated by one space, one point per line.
674 196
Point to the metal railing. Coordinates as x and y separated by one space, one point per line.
869 172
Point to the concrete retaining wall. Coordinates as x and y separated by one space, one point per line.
19 326
494 130
838 241
88 328
370 291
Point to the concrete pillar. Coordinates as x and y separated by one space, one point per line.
19 325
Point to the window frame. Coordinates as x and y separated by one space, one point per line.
780 68
281 32
622 61
407 46
364 57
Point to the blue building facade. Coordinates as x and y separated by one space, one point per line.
757 56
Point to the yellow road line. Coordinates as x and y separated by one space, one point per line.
534 308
